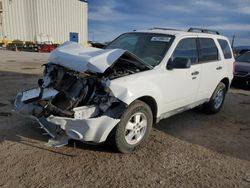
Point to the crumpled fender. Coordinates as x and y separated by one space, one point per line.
130 88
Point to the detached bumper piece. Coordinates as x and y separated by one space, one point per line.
59 138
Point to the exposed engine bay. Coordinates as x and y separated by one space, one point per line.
67 102
73 89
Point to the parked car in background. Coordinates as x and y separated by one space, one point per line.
239 50
242 70
30 46
119 92
47 47
15 45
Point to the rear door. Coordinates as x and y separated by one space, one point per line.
228 60
211 66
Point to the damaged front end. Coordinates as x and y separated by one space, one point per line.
71 104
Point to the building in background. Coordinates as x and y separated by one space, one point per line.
44 20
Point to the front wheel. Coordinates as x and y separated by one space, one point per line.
133 129
217 100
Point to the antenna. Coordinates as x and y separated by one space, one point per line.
233 41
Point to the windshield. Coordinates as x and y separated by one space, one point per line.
244 57
150 47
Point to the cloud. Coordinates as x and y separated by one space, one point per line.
109 18
231 27
244 10
105 12
214 5
178 8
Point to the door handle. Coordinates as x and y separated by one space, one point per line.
218 68
195 73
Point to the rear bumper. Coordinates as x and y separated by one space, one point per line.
241 80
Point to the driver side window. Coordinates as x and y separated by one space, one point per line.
186 48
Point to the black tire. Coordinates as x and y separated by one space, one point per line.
212 107
117 137
247 85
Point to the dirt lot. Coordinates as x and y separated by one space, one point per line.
188 150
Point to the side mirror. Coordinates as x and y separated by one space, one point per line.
179 63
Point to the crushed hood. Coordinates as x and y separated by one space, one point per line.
81 59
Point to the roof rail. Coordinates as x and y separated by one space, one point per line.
203 30
162 28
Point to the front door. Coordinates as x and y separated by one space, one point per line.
183 84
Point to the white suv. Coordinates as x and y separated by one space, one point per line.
117 93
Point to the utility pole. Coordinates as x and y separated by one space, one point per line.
1 20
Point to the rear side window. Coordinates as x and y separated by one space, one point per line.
225 48
208 50
186 48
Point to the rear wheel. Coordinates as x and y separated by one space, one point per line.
133 129
217 100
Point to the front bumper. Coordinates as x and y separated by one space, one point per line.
84 126
88 130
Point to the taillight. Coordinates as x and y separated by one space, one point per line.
234 65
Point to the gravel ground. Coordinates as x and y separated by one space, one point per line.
187 150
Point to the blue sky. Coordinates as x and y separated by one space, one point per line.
109 18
